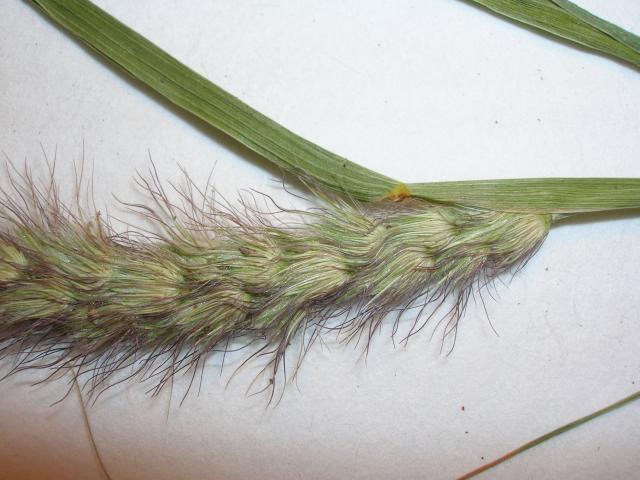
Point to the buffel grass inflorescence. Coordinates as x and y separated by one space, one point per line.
75 294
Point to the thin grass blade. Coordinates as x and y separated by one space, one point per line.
571 22
549 435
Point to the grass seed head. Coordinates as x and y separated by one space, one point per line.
73 290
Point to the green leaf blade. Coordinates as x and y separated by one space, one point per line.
189 90
537 195
292 153
568 21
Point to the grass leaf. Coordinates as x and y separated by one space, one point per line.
191 91
571 22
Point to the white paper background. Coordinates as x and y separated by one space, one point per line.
419 90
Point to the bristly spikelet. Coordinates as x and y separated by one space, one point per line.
77 294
